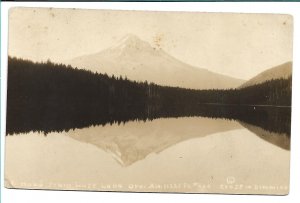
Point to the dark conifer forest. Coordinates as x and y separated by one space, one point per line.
54 97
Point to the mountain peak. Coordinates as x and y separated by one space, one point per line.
131 38
132 42
138 60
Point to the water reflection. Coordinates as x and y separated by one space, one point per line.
271 118
269 123
134 141
158 152
279 139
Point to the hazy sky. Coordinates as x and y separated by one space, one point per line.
239 45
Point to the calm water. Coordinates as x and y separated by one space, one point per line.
188 154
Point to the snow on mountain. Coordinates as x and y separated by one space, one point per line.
138 60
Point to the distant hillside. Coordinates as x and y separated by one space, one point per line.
282 71
54 97
138 60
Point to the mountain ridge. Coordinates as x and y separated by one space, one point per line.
138 60
282 71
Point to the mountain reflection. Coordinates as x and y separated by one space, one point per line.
281 140
134 141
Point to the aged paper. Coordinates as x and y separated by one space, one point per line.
142 101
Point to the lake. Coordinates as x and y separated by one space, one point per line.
185 154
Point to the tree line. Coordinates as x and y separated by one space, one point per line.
53 97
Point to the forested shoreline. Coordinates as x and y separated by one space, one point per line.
54 97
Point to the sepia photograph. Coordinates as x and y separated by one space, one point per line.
148 101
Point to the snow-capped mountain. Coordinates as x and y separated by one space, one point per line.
138 60
277 72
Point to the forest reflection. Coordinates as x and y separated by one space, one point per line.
270 118
47 97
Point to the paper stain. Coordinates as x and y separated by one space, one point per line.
158 40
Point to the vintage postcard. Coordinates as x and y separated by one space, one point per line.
146 101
